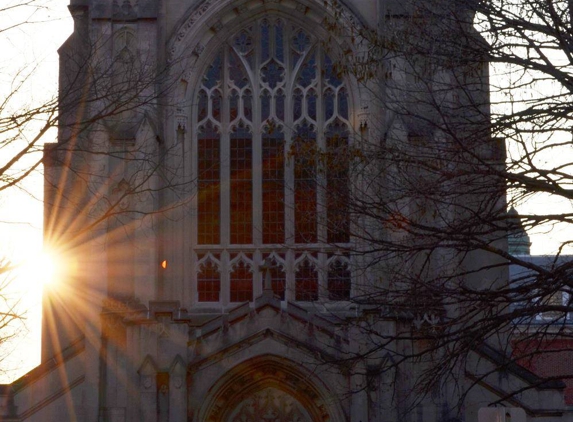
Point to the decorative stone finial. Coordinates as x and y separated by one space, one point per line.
518 242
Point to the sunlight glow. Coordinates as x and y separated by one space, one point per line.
29 54
40 270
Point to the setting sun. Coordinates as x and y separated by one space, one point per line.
41 269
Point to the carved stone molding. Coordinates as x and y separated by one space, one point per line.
217 26
241 9
247 393
270 405
199 48
189 23
337 10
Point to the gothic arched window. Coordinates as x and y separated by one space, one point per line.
272 119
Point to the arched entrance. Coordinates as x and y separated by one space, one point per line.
270 405
269 389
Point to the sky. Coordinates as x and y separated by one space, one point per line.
30 50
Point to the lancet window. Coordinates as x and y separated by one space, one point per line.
272 127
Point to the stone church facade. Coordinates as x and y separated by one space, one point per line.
209 274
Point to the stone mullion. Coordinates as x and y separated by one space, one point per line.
191 173
321 146
148 392
257 159
322 209
290 271
191 232
288 134
225 274
193 260
225 171
257 275
356 182
177 391
322 271
288 168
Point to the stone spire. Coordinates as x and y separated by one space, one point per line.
518 242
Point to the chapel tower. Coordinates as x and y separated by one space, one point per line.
204 189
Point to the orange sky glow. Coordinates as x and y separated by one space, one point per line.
29 38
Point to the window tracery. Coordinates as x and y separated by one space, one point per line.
209 279
277 273
241 283
339 277
269 107
306 278
272 405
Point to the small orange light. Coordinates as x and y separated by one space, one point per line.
164 264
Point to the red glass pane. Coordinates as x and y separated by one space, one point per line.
241 191
208 200
241 284
306 284
208 284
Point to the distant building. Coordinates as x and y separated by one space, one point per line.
544 340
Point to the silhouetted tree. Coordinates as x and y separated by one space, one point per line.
475 100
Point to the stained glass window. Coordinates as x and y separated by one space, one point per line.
273 186
208 283
241 283
241 194
208 182
271 109
306 284
339 281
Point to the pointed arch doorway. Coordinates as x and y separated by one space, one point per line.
270 405
269 389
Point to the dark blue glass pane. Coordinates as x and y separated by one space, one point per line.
295 57
300 41
280 105
337 130
265 105
307 73
330 72
311 104
241 132
247 105
328 104
213 74
343 103
216 105
272 73
208 131
237 72
203 106
279 42
297 104
234 105
273 132
243 42
265 41
305 132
